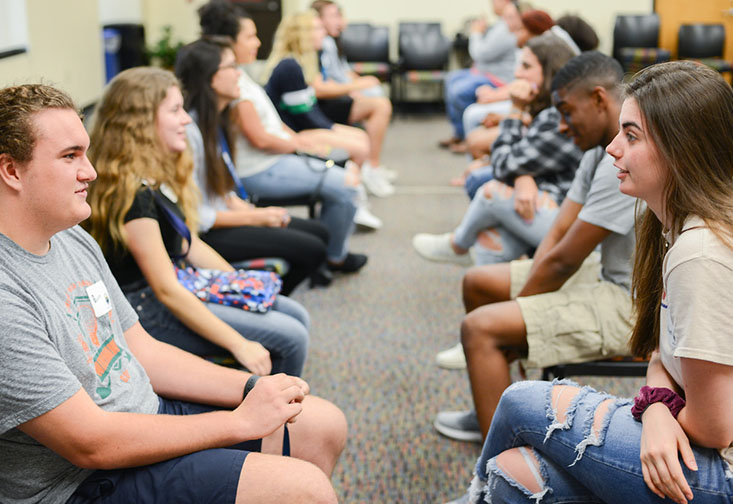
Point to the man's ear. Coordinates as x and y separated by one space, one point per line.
10 171
599 97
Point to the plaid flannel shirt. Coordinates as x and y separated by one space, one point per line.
541 151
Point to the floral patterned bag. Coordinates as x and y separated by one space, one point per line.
251 290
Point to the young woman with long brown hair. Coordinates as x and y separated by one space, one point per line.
557 442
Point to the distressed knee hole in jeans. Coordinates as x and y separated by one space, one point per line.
496 189
562 408
490 239
520 468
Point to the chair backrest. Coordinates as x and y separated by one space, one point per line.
635 31
365 42
701 41
422 46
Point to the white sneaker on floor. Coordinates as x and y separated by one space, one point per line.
438 248
459 425
364 217
382 171
376 183
453 358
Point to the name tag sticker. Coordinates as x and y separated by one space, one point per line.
99 298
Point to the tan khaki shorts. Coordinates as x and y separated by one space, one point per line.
587 319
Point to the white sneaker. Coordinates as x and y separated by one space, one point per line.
453 358
366 218
382 171
438 248
377 184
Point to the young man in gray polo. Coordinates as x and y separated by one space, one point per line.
562 306
93 407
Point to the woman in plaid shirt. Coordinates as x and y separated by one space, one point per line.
531 169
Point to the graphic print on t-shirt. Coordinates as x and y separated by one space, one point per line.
96 339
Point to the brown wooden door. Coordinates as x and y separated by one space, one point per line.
673 13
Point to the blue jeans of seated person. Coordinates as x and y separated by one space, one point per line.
283 330
575 464
514 235
475 113
476 179
292 176
460 92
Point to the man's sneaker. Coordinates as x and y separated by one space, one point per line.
377 184
453 358
459 425
438 248
365 218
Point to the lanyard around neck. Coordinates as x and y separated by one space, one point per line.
178 224
227 157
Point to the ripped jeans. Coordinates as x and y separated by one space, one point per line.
495 217
588 452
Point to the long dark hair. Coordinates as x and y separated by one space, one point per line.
552 54
195 67
688 111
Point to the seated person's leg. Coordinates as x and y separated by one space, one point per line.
493 336
283 331
477 178
318 435
480 140
484 285
376 114
475 113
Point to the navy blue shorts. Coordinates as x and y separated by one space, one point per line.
207 476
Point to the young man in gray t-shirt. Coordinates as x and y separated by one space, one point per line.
562 306
84 388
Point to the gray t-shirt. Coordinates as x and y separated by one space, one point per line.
52 344
596 188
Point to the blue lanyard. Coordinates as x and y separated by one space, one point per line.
176 222
227 157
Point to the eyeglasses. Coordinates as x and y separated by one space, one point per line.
230 65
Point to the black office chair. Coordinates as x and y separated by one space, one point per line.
423 56
617 366
704 43
636 42
366 48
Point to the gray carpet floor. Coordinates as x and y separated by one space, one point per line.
375 334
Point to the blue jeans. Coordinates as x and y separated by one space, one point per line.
514 236
283 330
460 92
478 178
575 464
291 176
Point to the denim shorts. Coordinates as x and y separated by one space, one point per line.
206 476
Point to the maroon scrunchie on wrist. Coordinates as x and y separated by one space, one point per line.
650 395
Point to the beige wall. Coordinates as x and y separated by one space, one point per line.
180 14
65 49
600 15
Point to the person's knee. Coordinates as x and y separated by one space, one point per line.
283 479
474 332
522 466
385 106
473 282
